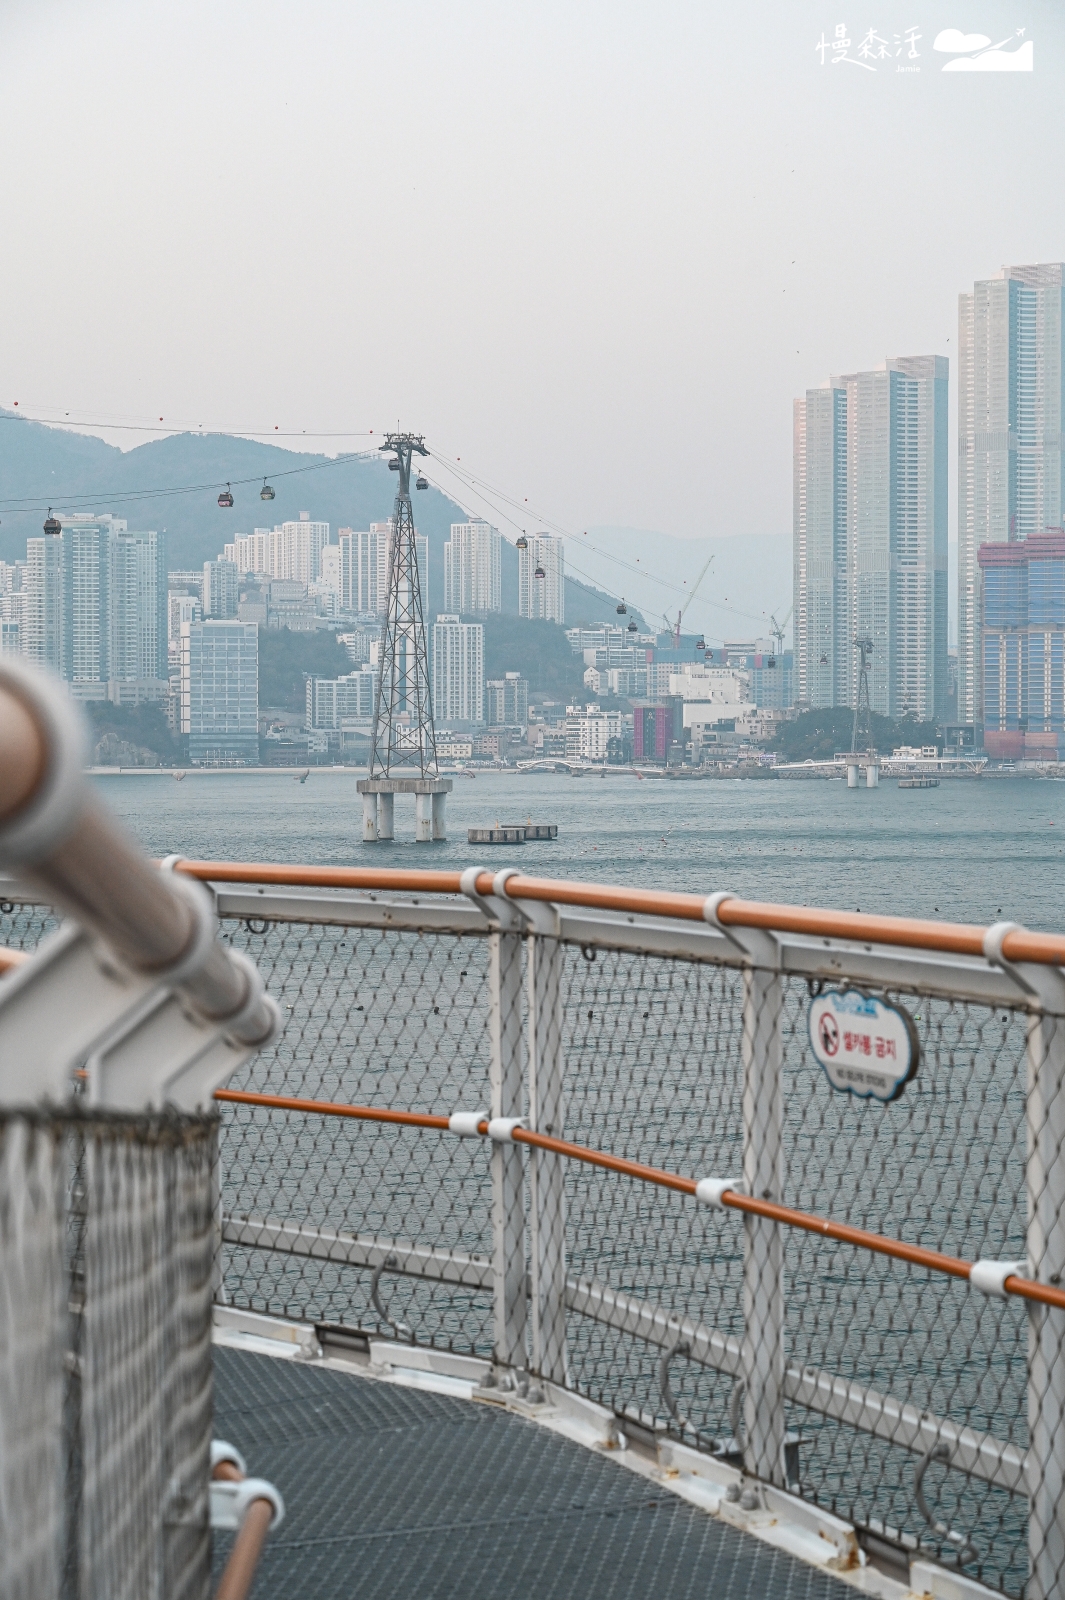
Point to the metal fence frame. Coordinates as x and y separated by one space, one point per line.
527 1274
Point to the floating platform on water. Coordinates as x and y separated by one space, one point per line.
513 833
918 783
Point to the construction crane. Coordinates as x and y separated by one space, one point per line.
776 630
680 614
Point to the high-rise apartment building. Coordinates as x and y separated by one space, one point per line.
1011 444
364 568
472 555
181 608
458 671
1022 668
91 605
293 550
220 692
870 537
138 623
506 701
544 595
221 580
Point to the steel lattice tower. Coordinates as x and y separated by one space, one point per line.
403 679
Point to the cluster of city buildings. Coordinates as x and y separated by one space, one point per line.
870 454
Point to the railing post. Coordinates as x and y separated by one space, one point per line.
763 1249
1046 1324
508 1209
547 1197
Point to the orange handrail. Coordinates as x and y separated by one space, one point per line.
952 938
842 1232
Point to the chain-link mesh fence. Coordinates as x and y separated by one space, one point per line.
23 924
906 1393
942 1167
372 1017
106 1260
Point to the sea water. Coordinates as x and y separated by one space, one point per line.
973 850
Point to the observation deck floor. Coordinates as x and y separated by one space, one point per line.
396 1492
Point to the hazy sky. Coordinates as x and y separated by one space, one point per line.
592 249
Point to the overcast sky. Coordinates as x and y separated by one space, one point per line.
593 249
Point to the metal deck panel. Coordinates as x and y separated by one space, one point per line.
393 1492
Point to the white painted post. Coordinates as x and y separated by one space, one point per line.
763 1250
1046 1324
439 827
423 828
547 1199
508 1209
369 818
386 811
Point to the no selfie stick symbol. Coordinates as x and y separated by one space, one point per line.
829 1034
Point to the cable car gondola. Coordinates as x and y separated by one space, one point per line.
539 573
266 493
420 482
52 525
632 624
771 661
700 643
226 497
709 656
824 661
522 543
622 608
393 466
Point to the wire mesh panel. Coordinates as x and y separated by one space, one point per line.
314 1206
142 1254
106 1259
24 924
31 1360
943 1166
653 1072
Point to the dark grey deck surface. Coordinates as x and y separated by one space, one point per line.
395 1494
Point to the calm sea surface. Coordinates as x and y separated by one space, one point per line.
969 850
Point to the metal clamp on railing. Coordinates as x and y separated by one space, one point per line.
501 1129
251 1507
711 1191
158 933
467 1124
990 1276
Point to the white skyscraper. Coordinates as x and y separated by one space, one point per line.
292 551
1011 434
220 692
870 537
472 568
543 596
458 672
137 649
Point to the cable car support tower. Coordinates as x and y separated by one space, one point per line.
403 732
863 724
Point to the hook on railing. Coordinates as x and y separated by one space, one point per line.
681 1348
399 1328
966 1550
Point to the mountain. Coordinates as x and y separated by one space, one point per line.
173 484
